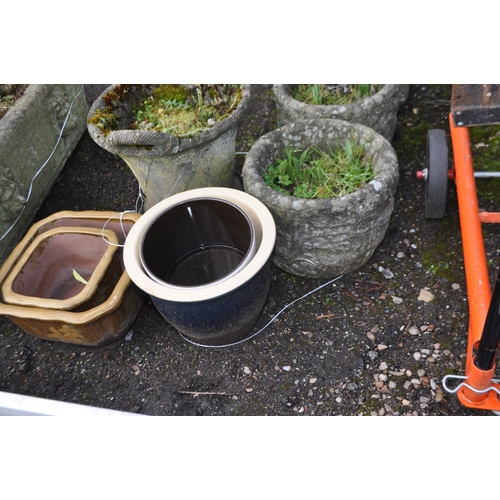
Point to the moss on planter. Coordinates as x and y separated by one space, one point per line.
179 110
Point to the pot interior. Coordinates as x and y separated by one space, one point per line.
48 271
197 242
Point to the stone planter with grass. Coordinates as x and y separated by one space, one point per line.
325 238
164 158
377 111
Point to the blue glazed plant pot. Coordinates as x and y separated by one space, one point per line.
215 313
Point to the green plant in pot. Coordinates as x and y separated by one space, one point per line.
315 173
173 137
373 105
329 185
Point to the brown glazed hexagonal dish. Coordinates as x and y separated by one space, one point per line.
108 315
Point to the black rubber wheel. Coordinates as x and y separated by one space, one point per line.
436 179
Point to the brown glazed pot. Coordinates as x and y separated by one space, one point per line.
43 276
108 315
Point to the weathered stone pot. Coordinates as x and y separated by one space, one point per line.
325 238
37 135
108 315
162 163
378 111
221 312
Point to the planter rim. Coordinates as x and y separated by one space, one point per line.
283 94
124 141
11 297
76 318
247 257
258 184
251 205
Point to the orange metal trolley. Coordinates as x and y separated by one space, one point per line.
471 105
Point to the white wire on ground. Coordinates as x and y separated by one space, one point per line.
264 327
43 166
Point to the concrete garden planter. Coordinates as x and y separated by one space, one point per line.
40 130
223 309
325 238
378 112
107 315
162 163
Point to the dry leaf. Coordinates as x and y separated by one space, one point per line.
79 278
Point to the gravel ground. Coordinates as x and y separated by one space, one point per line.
371 343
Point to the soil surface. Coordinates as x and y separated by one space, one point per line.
365 345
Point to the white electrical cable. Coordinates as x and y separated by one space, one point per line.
43 166
264 327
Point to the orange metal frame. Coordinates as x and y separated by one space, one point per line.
478 389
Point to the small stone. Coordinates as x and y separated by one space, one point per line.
421 373
386 272
249 389
383 377
416 356
247 370
431 359
455 286
425 296
415 382
370 336
397 300
425 380
383 366
413 330
424 399
381 347
287 368
433 384
312 380
405 402
400 255
338 399
375 329
392 384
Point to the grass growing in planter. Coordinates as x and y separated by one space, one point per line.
186 110
333 93
315 173
179 110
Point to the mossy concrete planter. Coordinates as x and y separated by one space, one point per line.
328 237
29 132
164 164
378 111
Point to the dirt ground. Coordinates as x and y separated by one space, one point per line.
364 345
